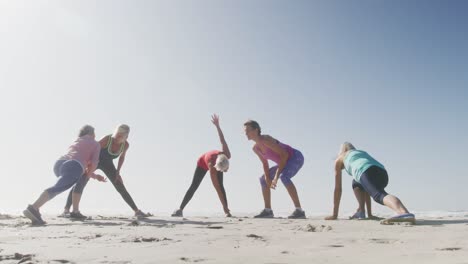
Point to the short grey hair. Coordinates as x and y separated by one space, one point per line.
86 130
222 163
122 129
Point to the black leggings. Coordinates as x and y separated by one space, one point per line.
197 179
110 171
373 181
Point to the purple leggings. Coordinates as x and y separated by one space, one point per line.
293 165
68 173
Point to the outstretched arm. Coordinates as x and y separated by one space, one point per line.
215 121
338 190
122 158
283 154
216 184
266 168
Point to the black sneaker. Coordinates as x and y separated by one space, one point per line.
177 213
33 215
265 214
297 214
140 214
77 216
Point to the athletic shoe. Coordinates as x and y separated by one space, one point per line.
33 215
297 214
265 214
77 216
177 213
358 215
403 218
140 214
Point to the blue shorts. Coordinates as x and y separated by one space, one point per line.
293 165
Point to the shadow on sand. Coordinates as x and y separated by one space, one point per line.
440 222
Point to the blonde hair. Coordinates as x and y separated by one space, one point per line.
222 163
121 129
345 147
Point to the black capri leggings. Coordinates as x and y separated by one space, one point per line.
197 179
373 181
110 171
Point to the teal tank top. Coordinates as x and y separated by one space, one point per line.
356 162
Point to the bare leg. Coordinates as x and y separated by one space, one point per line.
266 197
368 202
293 193
360 197
76 197
395 204
43 198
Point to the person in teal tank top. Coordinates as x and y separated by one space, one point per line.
356 162
370 176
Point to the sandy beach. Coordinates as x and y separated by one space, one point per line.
110 239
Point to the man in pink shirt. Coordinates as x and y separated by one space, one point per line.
80 161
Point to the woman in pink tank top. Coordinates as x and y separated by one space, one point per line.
216 162
289 161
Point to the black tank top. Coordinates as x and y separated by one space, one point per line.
106 153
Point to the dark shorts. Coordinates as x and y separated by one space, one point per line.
373 181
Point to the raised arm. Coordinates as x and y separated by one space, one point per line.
215 121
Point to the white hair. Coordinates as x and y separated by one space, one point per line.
222 163
122 129
86 130
346 146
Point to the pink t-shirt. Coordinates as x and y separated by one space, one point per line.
206 158
85 150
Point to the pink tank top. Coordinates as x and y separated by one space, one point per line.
205 159
269 154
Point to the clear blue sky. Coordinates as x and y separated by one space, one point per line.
389 76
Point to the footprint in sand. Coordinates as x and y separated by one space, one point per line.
23 258
449 249
191 260
335 246
61 261
256 237
320 228
117 262
383 240
148 239
88 238
214 227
